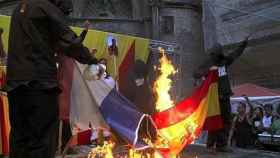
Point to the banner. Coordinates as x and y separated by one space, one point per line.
182 124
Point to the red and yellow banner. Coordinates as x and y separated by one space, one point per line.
4 117
181 124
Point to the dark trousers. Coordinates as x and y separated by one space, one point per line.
34 122
66 134
219 137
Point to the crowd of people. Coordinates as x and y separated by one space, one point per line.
260 119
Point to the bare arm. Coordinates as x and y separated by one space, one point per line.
249 104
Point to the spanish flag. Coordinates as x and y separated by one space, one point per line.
4 117
181 124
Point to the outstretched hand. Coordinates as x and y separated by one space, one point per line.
93 51
87 25
248 37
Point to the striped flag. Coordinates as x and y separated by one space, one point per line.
92 101
125 67
4 117
181 124
4 125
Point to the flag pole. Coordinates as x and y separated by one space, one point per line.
116 72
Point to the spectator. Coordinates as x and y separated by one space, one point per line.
38 31
267 118
256 116
256 121
276 123
241 127
104 74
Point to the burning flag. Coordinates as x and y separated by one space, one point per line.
179 125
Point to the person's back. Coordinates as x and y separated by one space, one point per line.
31 49
37 33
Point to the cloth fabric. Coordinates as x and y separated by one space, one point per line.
217 58
180 125
104 107
135 87
219 137
223 62
36 35
34 122
4 125
267 121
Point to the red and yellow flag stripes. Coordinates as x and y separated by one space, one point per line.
181 124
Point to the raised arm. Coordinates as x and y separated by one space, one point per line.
202 70
236 53
67 41
249 104
231 132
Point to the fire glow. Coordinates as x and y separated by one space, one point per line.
163 85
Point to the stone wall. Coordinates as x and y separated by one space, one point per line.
123 26
187 33
236 19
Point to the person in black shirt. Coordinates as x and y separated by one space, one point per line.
38 31
221 63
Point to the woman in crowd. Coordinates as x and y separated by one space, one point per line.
256 116
267 118
256 122
241 127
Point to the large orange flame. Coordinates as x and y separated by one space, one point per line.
163 83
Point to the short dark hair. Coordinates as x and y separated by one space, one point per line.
268 106
216 49
241 104
1 30
102 59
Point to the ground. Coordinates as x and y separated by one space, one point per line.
199 151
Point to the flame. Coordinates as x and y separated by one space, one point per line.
163 83
105 151
162 87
